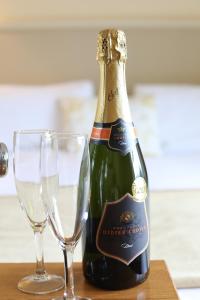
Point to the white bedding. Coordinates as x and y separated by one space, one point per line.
189 294
7 184
175 172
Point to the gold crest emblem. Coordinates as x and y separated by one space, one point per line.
127 217
139 189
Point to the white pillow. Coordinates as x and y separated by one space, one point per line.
178 108
35 107
144 115
77 114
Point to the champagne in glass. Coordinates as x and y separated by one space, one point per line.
27 145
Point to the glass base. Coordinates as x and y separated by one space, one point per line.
41 284
75 298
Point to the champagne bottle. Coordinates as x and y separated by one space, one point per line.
116 237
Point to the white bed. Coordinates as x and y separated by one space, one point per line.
174 172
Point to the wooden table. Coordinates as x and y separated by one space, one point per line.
159 285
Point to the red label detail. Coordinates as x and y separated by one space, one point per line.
101 133
104 133
117 136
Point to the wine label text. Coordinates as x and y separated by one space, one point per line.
117 136
123 231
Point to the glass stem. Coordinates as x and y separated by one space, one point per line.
69 275
38 236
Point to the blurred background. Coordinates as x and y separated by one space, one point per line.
49 79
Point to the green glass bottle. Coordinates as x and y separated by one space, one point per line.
116 237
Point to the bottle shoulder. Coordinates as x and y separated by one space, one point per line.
112 174
100 155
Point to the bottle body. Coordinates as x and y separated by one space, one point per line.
111 181
116 237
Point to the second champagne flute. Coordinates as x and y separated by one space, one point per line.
27 145
65 166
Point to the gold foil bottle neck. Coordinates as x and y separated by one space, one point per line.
111 46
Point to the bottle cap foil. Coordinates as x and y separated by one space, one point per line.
111 46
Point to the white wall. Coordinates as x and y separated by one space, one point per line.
159 55
38 12
44 41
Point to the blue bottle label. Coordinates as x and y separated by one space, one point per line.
123 231
117 136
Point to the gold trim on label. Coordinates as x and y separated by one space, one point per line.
139 189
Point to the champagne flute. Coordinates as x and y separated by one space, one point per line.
27 146
65 168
